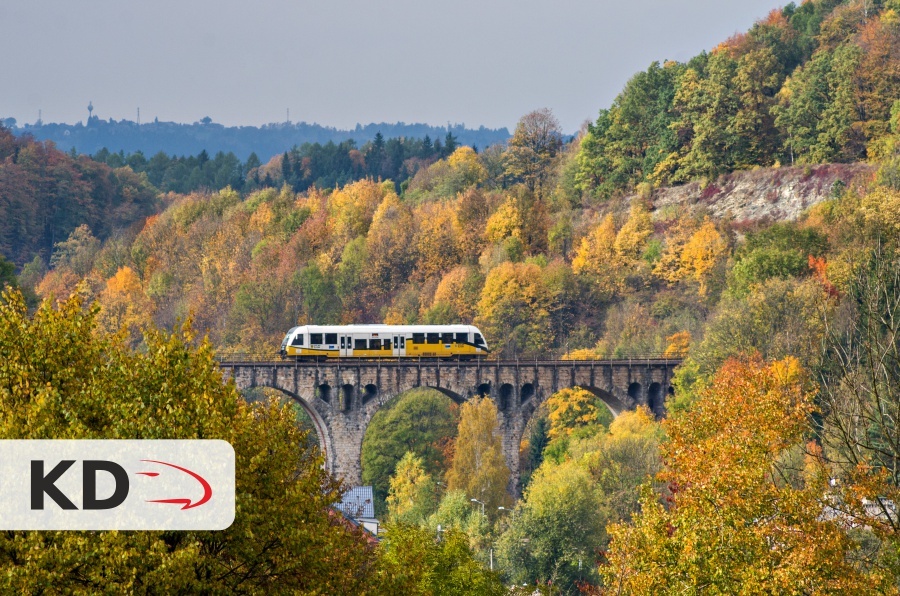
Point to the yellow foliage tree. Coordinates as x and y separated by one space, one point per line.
505 222
459 289
352 207
597 256
411 494
123 303
465 168
668 267
632 238
437 239
702 253
678 345
570 409
479 466
515 307
390 248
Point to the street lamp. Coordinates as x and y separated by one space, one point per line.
482 505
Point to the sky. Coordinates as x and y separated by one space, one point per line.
343 62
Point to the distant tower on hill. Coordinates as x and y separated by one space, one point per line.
90 110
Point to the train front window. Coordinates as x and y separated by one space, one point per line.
479 341
298 340
331 338
315 339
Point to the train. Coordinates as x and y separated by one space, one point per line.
312 342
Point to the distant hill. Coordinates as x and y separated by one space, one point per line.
266 141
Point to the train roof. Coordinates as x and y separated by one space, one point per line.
376 328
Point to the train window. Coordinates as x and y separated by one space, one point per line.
359 344
385 344
298 340
462 338
479 341
331 338
315 338
374 344
418 338
433 338
446 338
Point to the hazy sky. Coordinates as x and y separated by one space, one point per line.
339 62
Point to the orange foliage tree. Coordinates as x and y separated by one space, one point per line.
736 521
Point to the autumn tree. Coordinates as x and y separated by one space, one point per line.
597 257
573 409
730 504
92 387
123 303
412 493
479 466
460 290
515 308
390 246
532 148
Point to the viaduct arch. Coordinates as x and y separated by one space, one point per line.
342 397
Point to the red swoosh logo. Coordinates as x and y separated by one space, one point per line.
207 489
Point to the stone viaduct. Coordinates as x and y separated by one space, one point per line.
341 397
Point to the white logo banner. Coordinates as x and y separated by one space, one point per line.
116 485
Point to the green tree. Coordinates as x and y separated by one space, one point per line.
416 561
623 147
554 531
420 421
92 387
7 274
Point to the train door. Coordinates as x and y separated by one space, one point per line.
399 346
346 346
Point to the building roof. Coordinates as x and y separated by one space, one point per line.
358 503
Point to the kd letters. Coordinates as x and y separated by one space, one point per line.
116 485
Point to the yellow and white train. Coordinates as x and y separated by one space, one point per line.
384 341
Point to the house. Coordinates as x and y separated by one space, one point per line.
358 504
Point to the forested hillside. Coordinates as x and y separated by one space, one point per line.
812 83
311 164
772 267
45 194
265 141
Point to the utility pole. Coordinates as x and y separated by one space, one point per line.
139 116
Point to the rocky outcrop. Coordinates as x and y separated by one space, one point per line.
773 194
